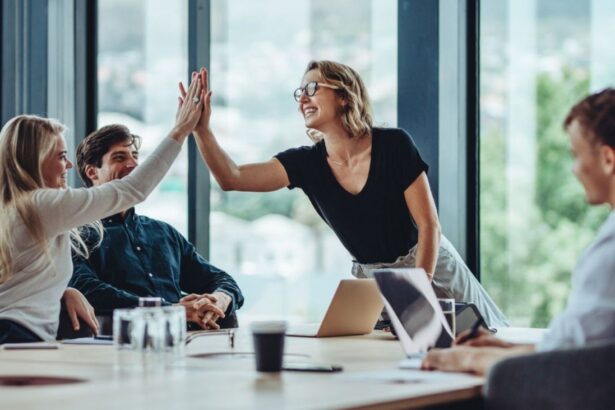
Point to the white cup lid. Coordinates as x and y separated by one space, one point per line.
269 326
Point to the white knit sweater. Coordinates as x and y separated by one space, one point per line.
31 297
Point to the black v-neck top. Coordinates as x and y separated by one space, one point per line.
374 225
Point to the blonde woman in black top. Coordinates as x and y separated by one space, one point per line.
368 184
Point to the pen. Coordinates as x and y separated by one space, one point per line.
473 331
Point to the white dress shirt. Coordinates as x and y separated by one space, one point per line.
589 315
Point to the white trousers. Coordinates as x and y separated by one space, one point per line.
452 279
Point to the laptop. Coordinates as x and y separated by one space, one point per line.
354 310
414 311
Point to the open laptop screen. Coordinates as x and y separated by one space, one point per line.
413 309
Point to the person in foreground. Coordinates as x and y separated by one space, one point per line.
140 256
38 215
368 184
589 316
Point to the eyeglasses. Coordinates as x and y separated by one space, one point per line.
310 89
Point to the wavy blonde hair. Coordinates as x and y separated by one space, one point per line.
356 115
26 141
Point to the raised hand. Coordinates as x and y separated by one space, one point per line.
202 125
190 107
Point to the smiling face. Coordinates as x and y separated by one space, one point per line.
118 162
593 164
55 167
321 109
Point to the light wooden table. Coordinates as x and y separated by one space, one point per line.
228 381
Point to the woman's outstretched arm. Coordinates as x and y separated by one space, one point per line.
258 177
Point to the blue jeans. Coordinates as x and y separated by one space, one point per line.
12 332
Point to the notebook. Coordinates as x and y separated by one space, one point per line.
354 310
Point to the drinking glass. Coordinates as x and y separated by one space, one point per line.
150 301
124 323
448 308
174 339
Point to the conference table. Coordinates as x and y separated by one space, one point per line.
215 375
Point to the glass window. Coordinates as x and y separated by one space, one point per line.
538 57
286 260
142 55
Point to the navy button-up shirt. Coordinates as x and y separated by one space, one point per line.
140 256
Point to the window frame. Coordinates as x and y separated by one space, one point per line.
438 52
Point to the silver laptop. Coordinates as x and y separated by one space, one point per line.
354 310
414 311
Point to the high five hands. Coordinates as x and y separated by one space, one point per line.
202 77
190 108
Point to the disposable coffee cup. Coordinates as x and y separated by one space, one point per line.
268 345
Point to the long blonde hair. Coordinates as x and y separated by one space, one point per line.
25 142
357 113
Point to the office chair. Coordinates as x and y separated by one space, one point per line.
581 378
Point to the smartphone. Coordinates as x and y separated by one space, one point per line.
311 367
467 314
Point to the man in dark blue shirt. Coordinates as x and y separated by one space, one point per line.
140 256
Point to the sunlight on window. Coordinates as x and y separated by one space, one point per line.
139 66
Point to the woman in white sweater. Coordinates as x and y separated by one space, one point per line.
39 216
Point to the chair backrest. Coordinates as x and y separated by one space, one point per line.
582 378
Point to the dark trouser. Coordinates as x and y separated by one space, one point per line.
12 332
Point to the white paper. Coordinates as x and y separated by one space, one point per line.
408 376
87 341
30 346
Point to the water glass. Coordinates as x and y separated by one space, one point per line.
149 336
150 301
448 308
123 323
174 332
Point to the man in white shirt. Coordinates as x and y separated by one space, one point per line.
589 316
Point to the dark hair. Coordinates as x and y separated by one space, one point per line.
596 113
94 147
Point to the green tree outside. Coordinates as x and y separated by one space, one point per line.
531 281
